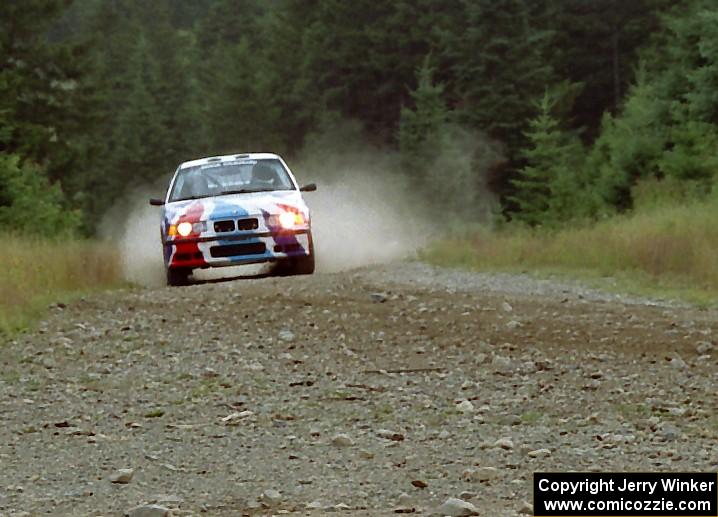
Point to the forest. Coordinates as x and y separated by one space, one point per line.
565 111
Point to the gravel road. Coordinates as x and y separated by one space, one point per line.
380 389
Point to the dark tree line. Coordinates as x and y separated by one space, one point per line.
559 106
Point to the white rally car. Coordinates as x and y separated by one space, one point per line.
234 210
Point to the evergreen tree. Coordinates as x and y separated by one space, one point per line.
549 185
227 22
360 56
499 54
148 103
287 82
105 94
596 45
41 112
439 157
140 139
30 204
182 96
38 80
496 55
667 125
420 129
690 150
176 86
629 146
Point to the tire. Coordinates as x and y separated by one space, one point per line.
177 276
303 265
297 265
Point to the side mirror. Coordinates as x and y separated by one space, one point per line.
308 188
156 202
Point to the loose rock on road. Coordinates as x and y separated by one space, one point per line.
394 388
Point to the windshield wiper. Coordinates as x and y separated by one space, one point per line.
226 193
188 198
246 191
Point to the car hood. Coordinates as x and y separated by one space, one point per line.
235 206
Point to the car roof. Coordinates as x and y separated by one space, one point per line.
228 158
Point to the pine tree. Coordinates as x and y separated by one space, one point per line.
30 204
420 129
498 54
439 157
147 100
38 81
667 125
286 77
360 56
629 146
177 84
596 45
140 138
238 116
548 186
690 152
41 111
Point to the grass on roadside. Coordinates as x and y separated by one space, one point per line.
36 272
669 251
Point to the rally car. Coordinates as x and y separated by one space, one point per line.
234 210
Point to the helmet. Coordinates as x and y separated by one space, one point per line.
195 185
263 174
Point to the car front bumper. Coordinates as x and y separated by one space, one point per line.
234 250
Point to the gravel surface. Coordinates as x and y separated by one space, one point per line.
514 284
399 387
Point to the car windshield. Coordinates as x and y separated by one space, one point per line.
230 177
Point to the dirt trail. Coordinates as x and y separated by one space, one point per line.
343 389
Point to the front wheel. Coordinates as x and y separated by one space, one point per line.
298 265
303 265
177 276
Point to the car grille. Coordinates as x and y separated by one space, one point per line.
224 226
242 225
247 224
231 250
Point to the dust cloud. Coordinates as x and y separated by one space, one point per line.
358 218
364 211
134 228
141 247
361 219
367 211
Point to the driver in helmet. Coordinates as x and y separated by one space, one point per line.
263 176
195 185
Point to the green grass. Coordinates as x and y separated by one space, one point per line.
669 251
37 272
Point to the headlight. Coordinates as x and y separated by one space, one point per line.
186 228
289 220
286 220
